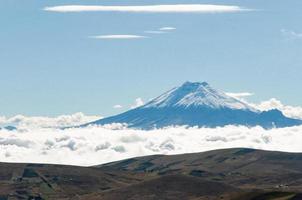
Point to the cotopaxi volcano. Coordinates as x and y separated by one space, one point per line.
197 104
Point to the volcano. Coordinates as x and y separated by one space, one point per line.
197 104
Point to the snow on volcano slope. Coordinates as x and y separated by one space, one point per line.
196 95
197 104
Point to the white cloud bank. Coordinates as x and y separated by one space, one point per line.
174 8
118 37
291 34
138 102
96 145
37 141
27 122
273 103
289 111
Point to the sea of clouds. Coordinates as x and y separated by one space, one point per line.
25 122
96 145
41 139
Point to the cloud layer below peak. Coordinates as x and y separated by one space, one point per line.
96 145
40 140
174 8
29 122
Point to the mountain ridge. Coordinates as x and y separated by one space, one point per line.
197 104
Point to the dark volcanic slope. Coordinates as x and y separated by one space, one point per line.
223 174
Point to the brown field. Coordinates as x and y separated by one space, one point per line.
239 174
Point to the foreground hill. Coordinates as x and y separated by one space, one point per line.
222 174
197 104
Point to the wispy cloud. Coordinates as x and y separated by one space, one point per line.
117 106
112 37
291 34
174 8
239 94
167 28
161 30
155 32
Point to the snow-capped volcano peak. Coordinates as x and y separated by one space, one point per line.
196 94
197 104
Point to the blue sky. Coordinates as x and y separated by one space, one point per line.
51 65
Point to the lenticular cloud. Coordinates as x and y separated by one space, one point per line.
178 8
96 145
